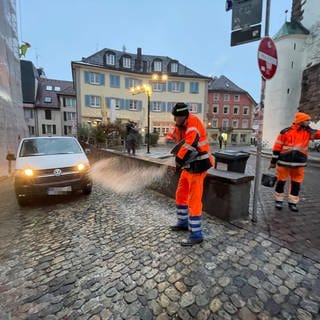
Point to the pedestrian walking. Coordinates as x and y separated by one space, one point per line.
131 137
193 159
220 141
290 153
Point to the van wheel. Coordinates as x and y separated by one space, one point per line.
87 189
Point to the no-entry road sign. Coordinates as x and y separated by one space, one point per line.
267 58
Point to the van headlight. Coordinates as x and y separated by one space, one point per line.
81 167
28 172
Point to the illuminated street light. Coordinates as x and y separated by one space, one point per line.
147 90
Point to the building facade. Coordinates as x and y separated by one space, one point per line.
49 105
12 125
296 83
230 112
103 81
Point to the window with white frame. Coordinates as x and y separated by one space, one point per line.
94 78
193 107
57 88
49 129
31 130
225 109
157 86
156 106
118 101
47 99
95 101
28 114
175 86
48 114
49 88
110 59
226 97
67 130
157 66
216 96
214 123
215 108
70 102
236 97
69 116
225 123
126 62
133 105
246 110
245 124
235 123
235 109
174 67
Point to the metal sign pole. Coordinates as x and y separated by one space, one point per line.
259 140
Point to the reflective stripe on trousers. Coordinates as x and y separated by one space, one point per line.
189 192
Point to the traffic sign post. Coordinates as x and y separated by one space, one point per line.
267 58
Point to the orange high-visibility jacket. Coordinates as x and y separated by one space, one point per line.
194 154
291 146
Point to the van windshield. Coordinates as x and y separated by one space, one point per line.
40 147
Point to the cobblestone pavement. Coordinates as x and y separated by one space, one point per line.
110 256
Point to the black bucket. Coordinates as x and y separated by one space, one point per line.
268 180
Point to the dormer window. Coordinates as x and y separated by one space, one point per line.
173 67
110 59
157 66
126 62
47 99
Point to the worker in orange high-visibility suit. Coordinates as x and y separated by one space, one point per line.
290 155
193 159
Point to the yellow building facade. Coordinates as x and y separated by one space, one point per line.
103 81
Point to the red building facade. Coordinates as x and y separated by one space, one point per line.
230 112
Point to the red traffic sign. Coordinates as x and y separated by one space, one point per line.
267 58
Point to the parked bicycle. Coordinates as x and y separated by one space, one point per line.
314 146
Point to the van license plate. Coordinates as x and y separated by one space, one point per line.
59 190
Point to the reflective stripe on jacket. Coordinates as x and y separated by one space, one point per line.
291 146
194 155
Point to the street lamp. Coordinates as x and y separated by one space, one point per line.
147 90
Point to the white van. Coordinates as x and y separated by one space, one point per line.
50 166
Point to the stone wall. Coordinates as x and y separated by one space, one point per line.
310 93
12 124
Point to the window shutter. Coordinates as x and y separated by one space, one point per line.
127 104
86 77
87 100
108 102
102 79
163 107
65 116
169 107
139 105
122 104
163 87
196 90
127 82
169 86
199 107
43 129
181 86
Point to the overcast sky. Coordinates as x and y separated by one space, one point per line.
197 33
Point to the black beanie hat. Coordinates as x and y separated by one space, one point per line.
180 109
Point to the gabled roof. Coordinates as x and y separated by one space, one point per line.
145 63
226 85
292 27
53 94
223 84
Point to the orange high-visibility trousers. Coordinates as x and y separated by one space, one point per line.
295 174
189 192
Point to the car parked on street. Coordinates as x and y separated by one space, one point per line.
50 166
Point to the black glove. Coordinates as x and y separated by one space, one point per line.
178 167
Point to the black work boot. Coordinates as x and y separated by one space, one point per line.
179 227
279 205
189 242
293 207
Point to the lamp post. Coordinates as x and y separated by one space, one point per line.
147 90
